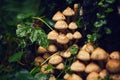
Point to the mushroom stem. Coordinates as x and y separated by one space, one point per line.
68 19
76 11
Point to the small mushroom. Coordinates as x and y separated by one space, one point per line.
113 66
99 54
83 55
41 50
52 35
103 73
92 67
43 69
66 76
52 48
58 16
60 66
46 55
77 35
115 55
65 54
61 25
38 60
52 77
76 11
62 39
92 76
69 36
89 47
115 77
77 66
72 26
74 77
55 59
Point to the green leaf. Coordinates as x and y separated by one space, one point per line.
40 76
49 67
35 70
99 23
101 16
49 21
109 10
107 30
15 57
110 1
33 35
73 50
22 43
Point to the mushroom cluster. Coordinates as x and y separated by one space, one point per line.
87 63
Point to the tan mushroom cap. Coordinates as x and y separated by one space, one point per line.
66 76
92 76
74 77
52 48
89 47
69 36
83 55
62 39
115 55
115 77
77 66
72 26
52 35
38 60
52 78
99 54
60 66
92 67
46 71
77 35
113 66
65 54
58 16
55 59
61 25
103 73
41 50
46 55
68 12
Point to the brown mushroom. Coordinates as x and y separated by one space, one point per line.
52 48
115 55
58 16
76 11
92 67
74 77
66 76
52 35
46 55
38 60
43 69
115 77
52 77
41 50
72 26
65 54
69 36
77 66
103 73
83 55
113 66
77 35
60 66
92 76
62 39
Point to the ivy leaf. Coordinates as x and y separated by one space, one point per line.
107 30
73 49
101 16
22 43
15 57
33 35
110 1
109 10
49 67
40 76
100 23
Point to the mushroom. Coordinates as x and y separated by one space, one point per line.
74 77
77 66
52 48
52 77
60 66
76 11
58 16
89 47
66 76
99 54
72 26
69 36
52 35
55 59
41 50
77 35
103 73
43 69
68 12
113 66
46 55
62 39
115 77
92 76
61 25
92 67
115 55
83 55
65 54
38 60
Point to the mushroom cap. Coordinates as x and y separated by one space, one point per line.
66 54
66 76
115 77
62 39
69 36
76 5
52 48
46 55
92 76
103 73
77 35
77 66
72 26
115 55
46 71
60 66
89 47
68 12
58 16
92 67
52 35
99 54
55 59
41 50
83 55
61 25
74 77
113 65
52 78
38 60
